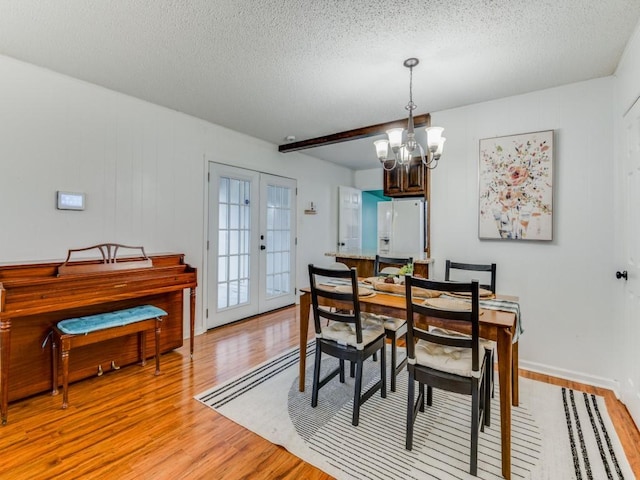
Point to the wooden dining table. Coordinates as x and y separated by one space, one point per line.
496 325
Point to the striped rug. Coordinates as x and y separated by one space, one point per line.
557 433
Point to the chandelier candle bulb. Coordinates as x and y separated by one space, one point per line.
404 152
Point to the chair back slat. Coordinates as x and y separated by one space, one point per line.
472 267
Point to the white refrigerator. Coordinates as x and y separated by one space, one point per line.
401 227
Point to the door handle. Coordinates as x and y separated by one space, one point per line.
623 274
263 247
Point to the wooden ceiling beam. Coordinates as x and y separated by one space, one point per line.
370 131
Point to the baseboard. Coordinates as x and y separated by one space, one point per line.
571 375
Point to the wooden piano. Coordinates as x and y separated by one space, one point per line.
34 297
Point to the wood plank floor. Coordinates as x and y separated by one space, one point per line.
129 424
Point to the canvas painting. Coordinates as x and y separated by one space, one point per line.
516 187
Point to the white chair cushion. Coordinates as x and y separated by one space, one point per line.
454 360
345 334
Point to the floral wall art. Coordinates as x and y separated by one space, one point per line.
516 187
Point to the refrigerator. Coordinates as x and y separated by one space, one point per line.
401 227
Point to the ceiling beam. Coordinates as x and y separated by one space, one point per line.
371 131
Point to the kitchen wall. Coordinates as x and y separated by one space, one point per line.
142 167
565 285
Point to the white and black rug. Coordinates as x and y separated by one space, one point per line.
557 433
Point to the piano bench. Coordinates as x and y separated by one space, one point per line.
81 331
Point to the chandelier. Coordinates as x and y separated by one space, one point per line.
403 152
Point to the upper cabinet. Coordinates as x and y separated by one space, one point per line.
401 182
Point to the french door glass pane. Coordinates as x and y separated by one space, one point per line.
278 249
234 227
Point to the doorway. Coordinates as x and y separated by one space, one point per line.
251 243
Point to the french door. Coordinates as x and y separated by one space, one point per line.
251 243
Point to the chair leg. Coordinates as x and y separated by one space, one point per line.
383 371
493 374
357 394
316 377
475 412
410 411
429 396
488 391
394 360
352 369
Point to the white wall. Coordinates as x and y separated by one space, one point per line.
141 166
564 285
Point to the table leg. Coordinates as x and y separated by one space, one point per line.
305 307
515 391
504 372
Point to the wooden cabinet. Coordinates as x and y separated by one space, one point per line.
403 182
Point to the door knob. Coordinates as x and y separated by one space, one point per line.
620 275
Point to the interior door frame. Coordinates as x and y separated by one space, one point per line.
625 297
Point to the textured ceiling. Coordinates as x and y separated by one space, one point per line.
308 68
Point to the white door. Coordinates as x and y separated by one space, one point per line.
277 242
251 243
630 230
349 219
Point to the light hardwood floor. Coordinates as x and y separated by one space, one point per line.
129 424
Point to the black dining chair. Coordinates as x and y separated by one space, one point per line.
444 360
489 268
349 335
472 267
394 328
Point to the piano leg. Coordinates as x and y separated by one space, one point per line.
158 323
192 319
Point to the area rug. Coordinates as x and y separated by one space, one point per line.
557 433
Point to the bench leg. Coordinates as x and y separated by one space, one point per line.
142 340
65 377
158 346
54 366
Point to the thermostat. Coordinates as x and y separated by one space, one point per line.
70 201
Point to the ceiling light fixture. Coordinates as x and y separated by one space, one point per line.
404 152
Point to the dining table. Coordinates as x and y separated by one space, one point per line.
498 325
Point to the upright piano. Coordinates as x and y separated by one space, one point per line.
34 297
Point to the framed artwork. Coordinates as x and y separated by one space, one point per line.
516 187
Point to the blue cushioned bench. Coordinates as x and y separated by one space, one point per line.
81 331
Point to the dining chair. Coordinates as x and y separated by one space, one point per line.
394 328
472 267
389 265
476 267
442 360
350 335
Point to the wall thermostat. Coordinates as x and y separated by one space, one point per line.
70 201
